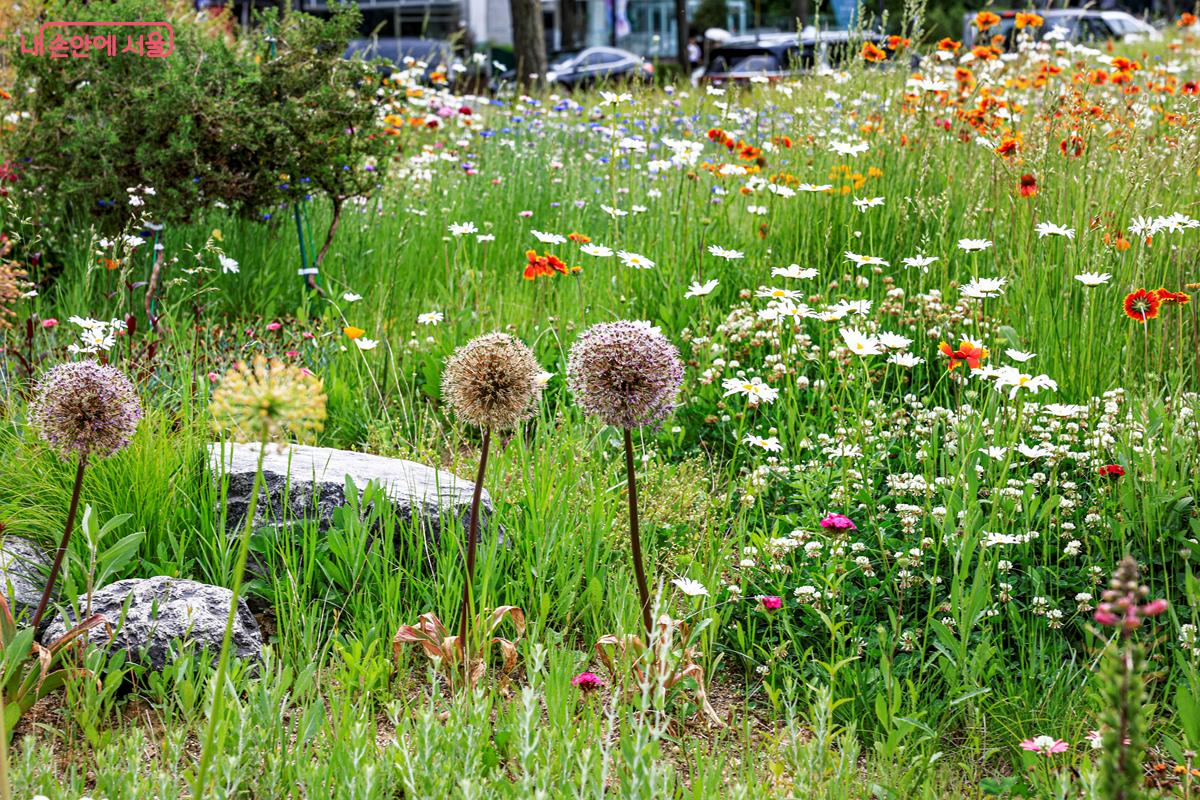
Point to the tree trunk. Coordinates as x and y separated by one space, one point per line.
681 36
529 40
800 11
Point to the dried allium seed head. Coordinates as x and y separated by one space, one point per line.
626 373
268 401
492 381
12 286
85 408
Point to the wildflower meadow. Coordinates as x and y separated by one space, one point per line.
835 436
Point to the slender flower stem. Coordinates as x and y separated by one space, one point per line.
472 534
200 789
62 545
635 540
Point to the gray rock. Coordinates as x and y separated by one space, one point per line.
432 497
162 611
24 567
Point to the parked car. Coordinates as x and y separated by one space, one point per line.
1077 24
775 56
438 55
591 66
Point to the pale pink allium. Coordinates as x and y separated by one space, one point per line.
1045 745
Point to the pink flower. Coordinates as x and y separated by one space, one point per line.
525 214
1045 745
587 681
292 353
838 522
213 377
274 326
49 323
771 602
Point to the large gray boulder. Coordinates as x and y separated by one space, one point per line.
24 567
161 612
431 497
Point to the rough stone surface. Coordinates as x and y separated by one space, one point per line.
24 567
162 611
433 497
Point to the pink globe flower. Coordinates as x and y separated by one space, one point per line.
839 522
587 681
771 602
49 323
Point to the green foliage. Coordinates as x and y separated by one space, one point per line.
246 123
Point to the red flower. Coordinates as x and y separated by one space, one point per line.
1029 185
969 352
1111 471
544 266
1167 296
1142 305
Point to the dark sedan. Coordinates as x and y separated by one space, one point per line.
592 66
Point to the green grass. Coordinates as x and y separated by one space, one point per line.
916 672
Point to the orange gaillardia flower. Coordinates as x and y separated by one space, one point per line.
948 45
1142 305
1032 20
1007 146
986 19
873 54
968 352
579 238
1028 186
1167 296
543 266
1186 20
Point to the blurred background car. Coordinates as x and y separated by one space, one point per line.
1077 25
741 59
591 66
442 63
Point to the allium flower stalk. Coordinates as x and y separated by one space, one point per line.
628 374
86 410
262 402
492 382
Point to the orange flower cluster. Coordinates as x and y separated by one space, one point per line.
744 151
1143 305
545 266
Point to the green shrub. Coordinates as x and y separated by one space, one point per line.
275 115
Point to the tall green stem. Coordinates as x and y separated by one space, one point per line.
635 540
62 545
464 612
239 569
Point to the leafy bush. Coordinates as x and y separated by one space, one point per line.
249 123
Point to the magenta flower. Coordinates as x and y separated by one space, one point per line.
771 602
1045 745
839 522
587 681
